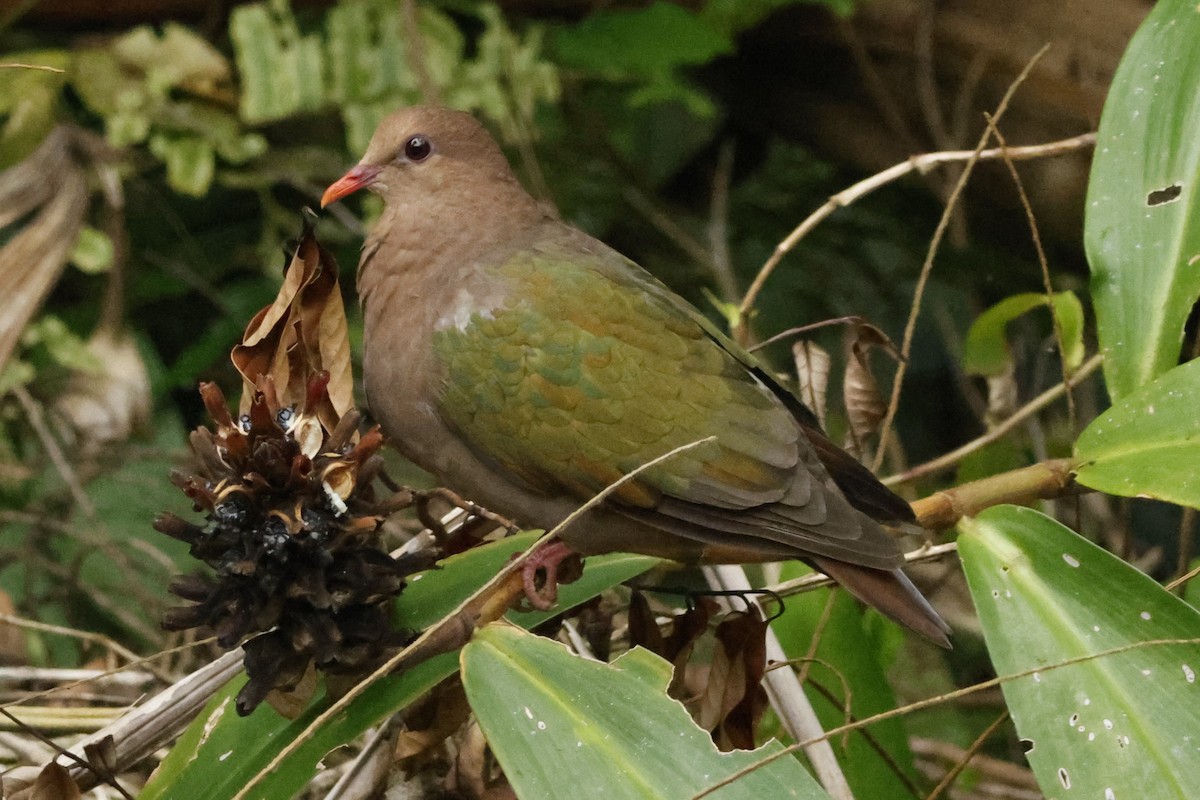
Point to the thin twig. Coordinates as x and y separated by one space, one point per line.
718 224
415 47
1182 579
810 656
1000 431
1005 773
880 751
87 636
80 760
920 164
799 330
145 662
926 82
910 329
953 773
668 227
112 308
876 89
1047 286
1187 532
42 67
33 413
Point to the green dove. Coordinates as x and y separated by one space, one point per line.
528 366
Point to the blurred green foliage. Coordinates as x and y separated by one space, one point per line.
614 117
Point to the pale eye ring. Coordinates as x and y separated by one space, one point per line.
418 148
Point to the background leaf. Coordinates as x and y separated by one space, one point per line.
1142 230
608 729
1148 444
986 349
1114 726
644 42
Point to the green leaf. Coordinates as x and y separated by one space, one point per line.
986 349
608 729
60 344
222 752
93 251
127 496
1142 230
29 102
1119 725
733 16
14 373
234 749
191 162
282 72
179 56
639 42
509 76
1148 444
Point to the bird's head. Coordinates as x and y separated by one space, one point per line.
422 151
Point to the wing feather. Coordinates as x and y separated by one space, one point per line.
570 383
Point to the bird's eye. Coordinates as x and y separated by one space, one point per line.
418 148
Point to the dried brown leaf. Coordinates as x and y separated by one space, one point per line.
33 257
865 405
812 371
643 627
438 717
733 700
13 648
102 757
1003 396
54 783
111 405
686 629
289 704
301 334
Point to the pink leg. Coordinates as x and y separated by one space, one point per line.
549 558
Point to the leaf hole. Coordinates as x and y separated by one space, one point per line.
1165 195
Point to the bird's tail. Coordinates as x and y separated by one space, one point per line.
892 593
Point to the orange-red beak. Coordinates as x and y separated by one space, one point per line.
360 177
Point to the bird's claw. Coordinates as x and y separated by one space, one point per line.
548 558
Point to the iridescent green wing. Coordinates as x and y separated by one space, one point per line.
590 369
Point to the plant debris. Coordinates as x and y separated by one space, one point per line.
292 519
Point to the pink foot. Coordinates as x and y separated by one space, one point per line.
549 558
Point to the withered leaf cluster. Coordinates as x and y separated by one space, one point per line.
291 517
723 692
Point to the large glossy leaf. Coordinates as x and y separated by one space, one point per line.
563 726
223 752
1142 230
1054 607
1147 445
